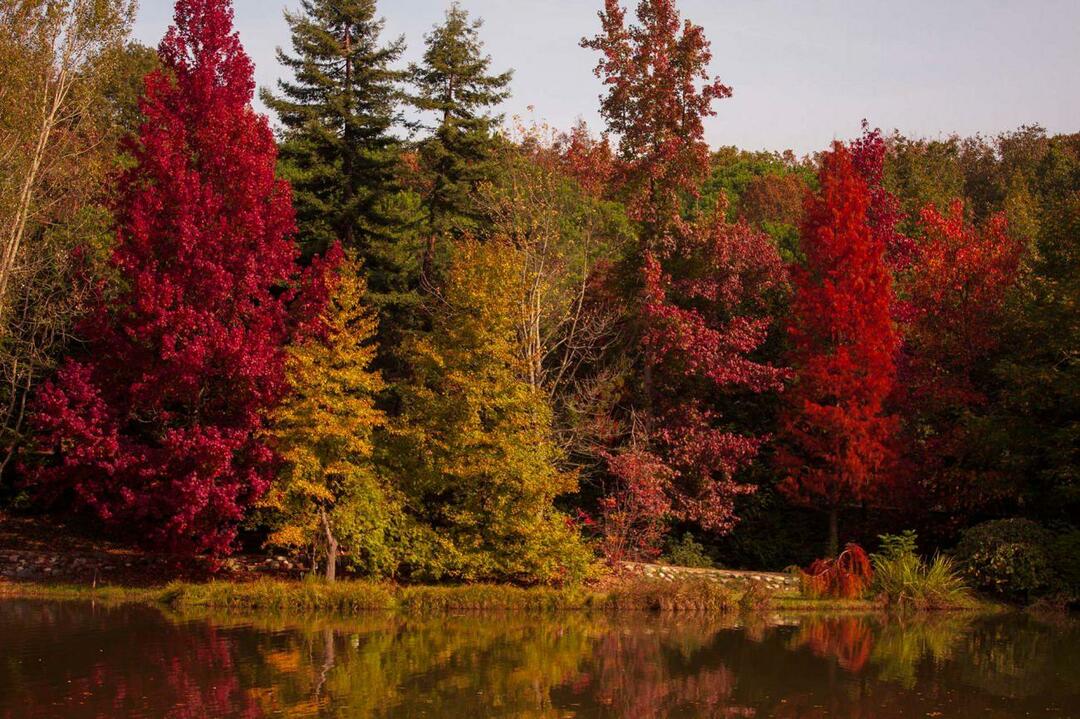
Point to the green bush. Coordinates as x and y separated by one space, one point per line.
902 577
688 553
1009 558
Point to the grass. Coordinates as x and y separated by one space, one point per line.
304 596
352 597
355 597
905 580
695 595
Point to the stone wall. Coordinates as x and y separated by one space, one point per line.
772 580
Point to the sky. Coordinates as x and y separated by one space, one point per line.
804 72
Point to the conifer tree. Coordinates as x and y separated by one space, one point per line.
156 426
338 147
327 493
454 83
474 450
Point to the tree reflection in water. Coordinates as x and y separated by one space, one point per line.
75 660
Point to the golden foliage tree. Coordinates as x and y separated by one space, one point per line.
328 494
473 451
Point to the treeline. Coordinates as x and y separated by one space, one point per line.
399 334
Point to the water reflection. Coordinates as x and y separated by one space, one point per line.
76 660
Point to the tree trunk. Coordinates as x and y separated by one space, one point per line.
833 547
331 548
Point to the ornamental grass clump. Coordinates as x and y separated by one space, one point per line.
848 576
903 578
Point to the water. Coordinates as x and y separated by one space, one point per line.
76 660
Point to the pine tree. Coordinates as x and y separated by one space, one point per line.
156 427
454 83
473 451
338 148
328 493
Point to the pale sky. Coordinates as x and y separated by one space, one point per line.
804 72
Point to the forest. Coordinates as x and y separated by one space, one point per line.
393 332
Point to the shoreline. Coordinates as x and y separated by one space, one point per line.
354 597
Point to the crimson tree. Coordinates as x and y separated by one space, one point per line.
838 446
155 428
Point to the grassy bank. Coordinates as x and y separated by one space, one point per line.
353 597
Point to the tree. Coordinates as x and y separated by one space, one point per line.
49 51
956 292
697 286
338 147
473 451
884 214
155 426
702 328
69 98
837 435
454 82
658 93
328 494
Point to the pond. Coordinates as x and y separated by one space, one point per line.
78 660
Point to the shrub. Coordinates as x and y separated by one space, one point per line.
757 597
1007 557
1065 557
903 578
846 577
688 553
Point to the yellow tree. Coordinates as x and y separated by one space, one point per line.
473 451
328 495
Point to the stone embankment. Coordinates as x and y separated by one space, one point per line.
126 567
130 567
773 580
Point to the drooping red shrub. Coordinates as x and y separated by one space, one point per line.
848 576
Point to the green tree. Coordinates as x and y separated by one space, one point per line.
338 147
454 83
328 493
473 450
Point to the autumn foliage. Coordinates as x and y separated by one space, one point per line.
846 576
155 427
659 91
837 433
701 329
536 334
955 295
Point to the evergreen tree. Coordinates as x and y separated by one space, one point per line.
338 147
328 494
454 83
473 451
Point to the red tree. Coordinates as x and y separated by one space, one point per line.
885 211
697 311
156 429
588 160
701 328
839 445
955 290
658 93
